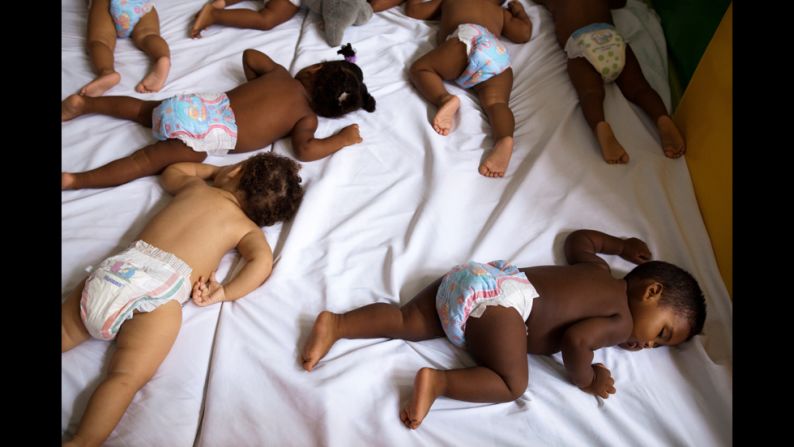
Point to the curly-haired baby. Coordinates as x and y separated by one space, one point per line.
136 296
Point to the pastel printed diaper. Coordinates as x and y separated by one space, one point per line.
487 56
127 13
205 122
469 288
141 278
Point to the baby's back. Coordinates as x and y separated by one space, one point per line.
486 13
267 108
569 294
199 225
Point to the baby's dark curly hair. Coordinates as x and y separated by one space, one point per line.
339 88
272 188
680 291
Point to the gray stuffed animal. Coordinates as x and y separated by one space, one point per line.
338 15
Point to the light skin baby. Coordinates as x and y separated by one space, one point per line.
200 224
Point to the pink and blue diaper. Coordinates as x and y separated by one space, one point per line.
602 46
205 122
469 288
127 13
487 56
141 278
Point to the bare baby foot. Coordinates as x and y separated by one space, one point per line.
72 107
495 163
204 18
323 336
672 141
154 81
101 84
442 122
67 180
427 387
611 149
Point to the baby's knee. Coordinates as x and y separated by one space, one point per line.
140 38
100 43
517 385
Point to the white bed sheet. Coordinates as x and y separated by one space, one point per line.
382 219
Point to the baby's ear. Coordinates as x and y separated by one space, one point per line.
653 291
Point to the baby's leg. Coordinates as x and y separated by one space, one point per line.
417 320
498 342
428 73
146 36
73 331
142 344
124 107
637 90
150 160
494 97
101 44
590 89
273 14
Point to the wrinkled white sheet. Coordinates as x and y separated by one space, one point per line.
378 222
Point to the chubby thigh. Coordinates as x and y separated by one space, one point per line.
498 341
144 341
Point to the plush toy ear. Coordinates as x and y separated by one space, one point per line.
364 14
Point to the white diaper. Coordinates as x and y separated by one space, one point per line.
602 46
515 294
141 278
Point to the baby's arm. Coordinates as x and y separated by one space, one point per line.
308 148
517 26
178 175
382 5
418 9
578 343
257 63
581 246
253 247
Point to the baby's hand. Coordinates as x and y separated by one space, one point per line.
603 384
207 292
635 250
351 135
515 7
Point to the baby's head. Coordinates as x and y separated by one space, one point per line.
271 188
338 88
666 304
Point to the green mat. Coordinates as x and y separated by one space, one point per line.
688 27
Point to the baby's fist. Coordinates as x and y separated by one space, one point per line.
603 384
351 135
636 251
